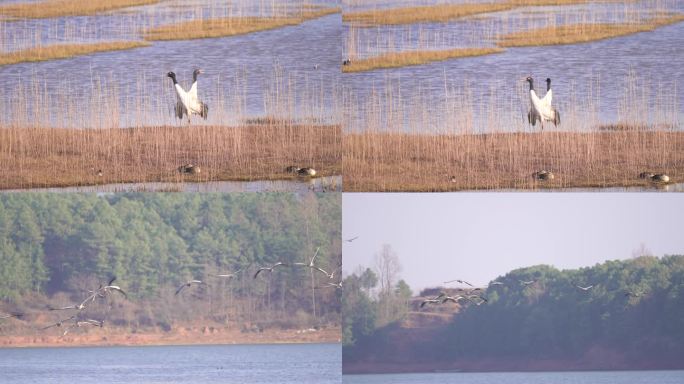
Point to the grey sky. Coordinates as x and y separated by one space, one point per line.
479 236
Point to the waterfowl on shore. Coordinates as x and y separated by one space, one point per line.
646 175
304 171
660 178
188 103
346 62
541 109
189 169
543 175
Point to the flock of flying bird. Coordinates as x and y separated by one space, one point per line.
78 319
473 294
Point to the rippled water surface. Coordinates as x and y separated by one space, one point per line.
296 364
615 377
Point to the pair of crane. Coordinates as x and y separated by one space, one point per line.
541 109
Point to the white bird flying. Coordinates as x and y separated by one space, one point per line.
189 284
270 269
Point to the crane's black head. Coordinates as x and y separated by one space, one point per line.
195 73
531 81
172 76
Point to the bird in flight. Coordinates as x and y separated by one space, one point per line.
314 267
190 283
270 269
585 289
351 239
59 323
458 281
529 282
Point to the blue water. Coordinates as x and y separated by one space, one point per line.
272 364
604 377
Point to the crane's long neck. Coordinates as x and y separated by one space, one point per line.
174 80
531 84
194 77
548 85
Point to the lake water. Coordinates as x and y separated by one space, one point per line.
609 377
319 184
290 72
271 364
629 78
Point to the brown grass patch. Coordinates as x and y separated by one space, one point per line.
582 33
442 12
45 157
58 8
375 162
63 51
230 26
403 59
409 15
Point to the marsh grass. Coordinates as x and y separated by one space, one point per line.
422 14
56 157
402 162
583 33
444 12
59 8
403 59
63 51
230 26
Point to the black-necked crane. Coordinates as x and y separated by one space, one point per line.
311 265
188 103
541 109
351 239
453 299
190 283
59 323
458 281
270 269
585 289
81 323
528 282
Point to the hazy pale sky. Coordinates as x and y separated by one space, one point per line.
479 236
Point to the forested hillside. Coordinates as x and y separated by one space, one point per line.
56 247
618 314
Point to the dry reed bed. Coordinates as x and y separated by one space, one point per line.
230 26
583 33
63 51
441 12
45 157
58 8
376 162
403 59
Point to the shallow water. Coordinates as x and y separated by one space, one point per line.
302 363
675 187
319 184
288 72
607 377
630 78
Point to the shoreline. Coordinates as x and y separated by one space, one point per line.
179 337
399 162
64 157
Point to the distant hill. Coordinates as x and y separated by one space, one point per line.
614 315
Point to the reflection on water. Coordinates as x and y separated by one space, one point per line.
320 184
